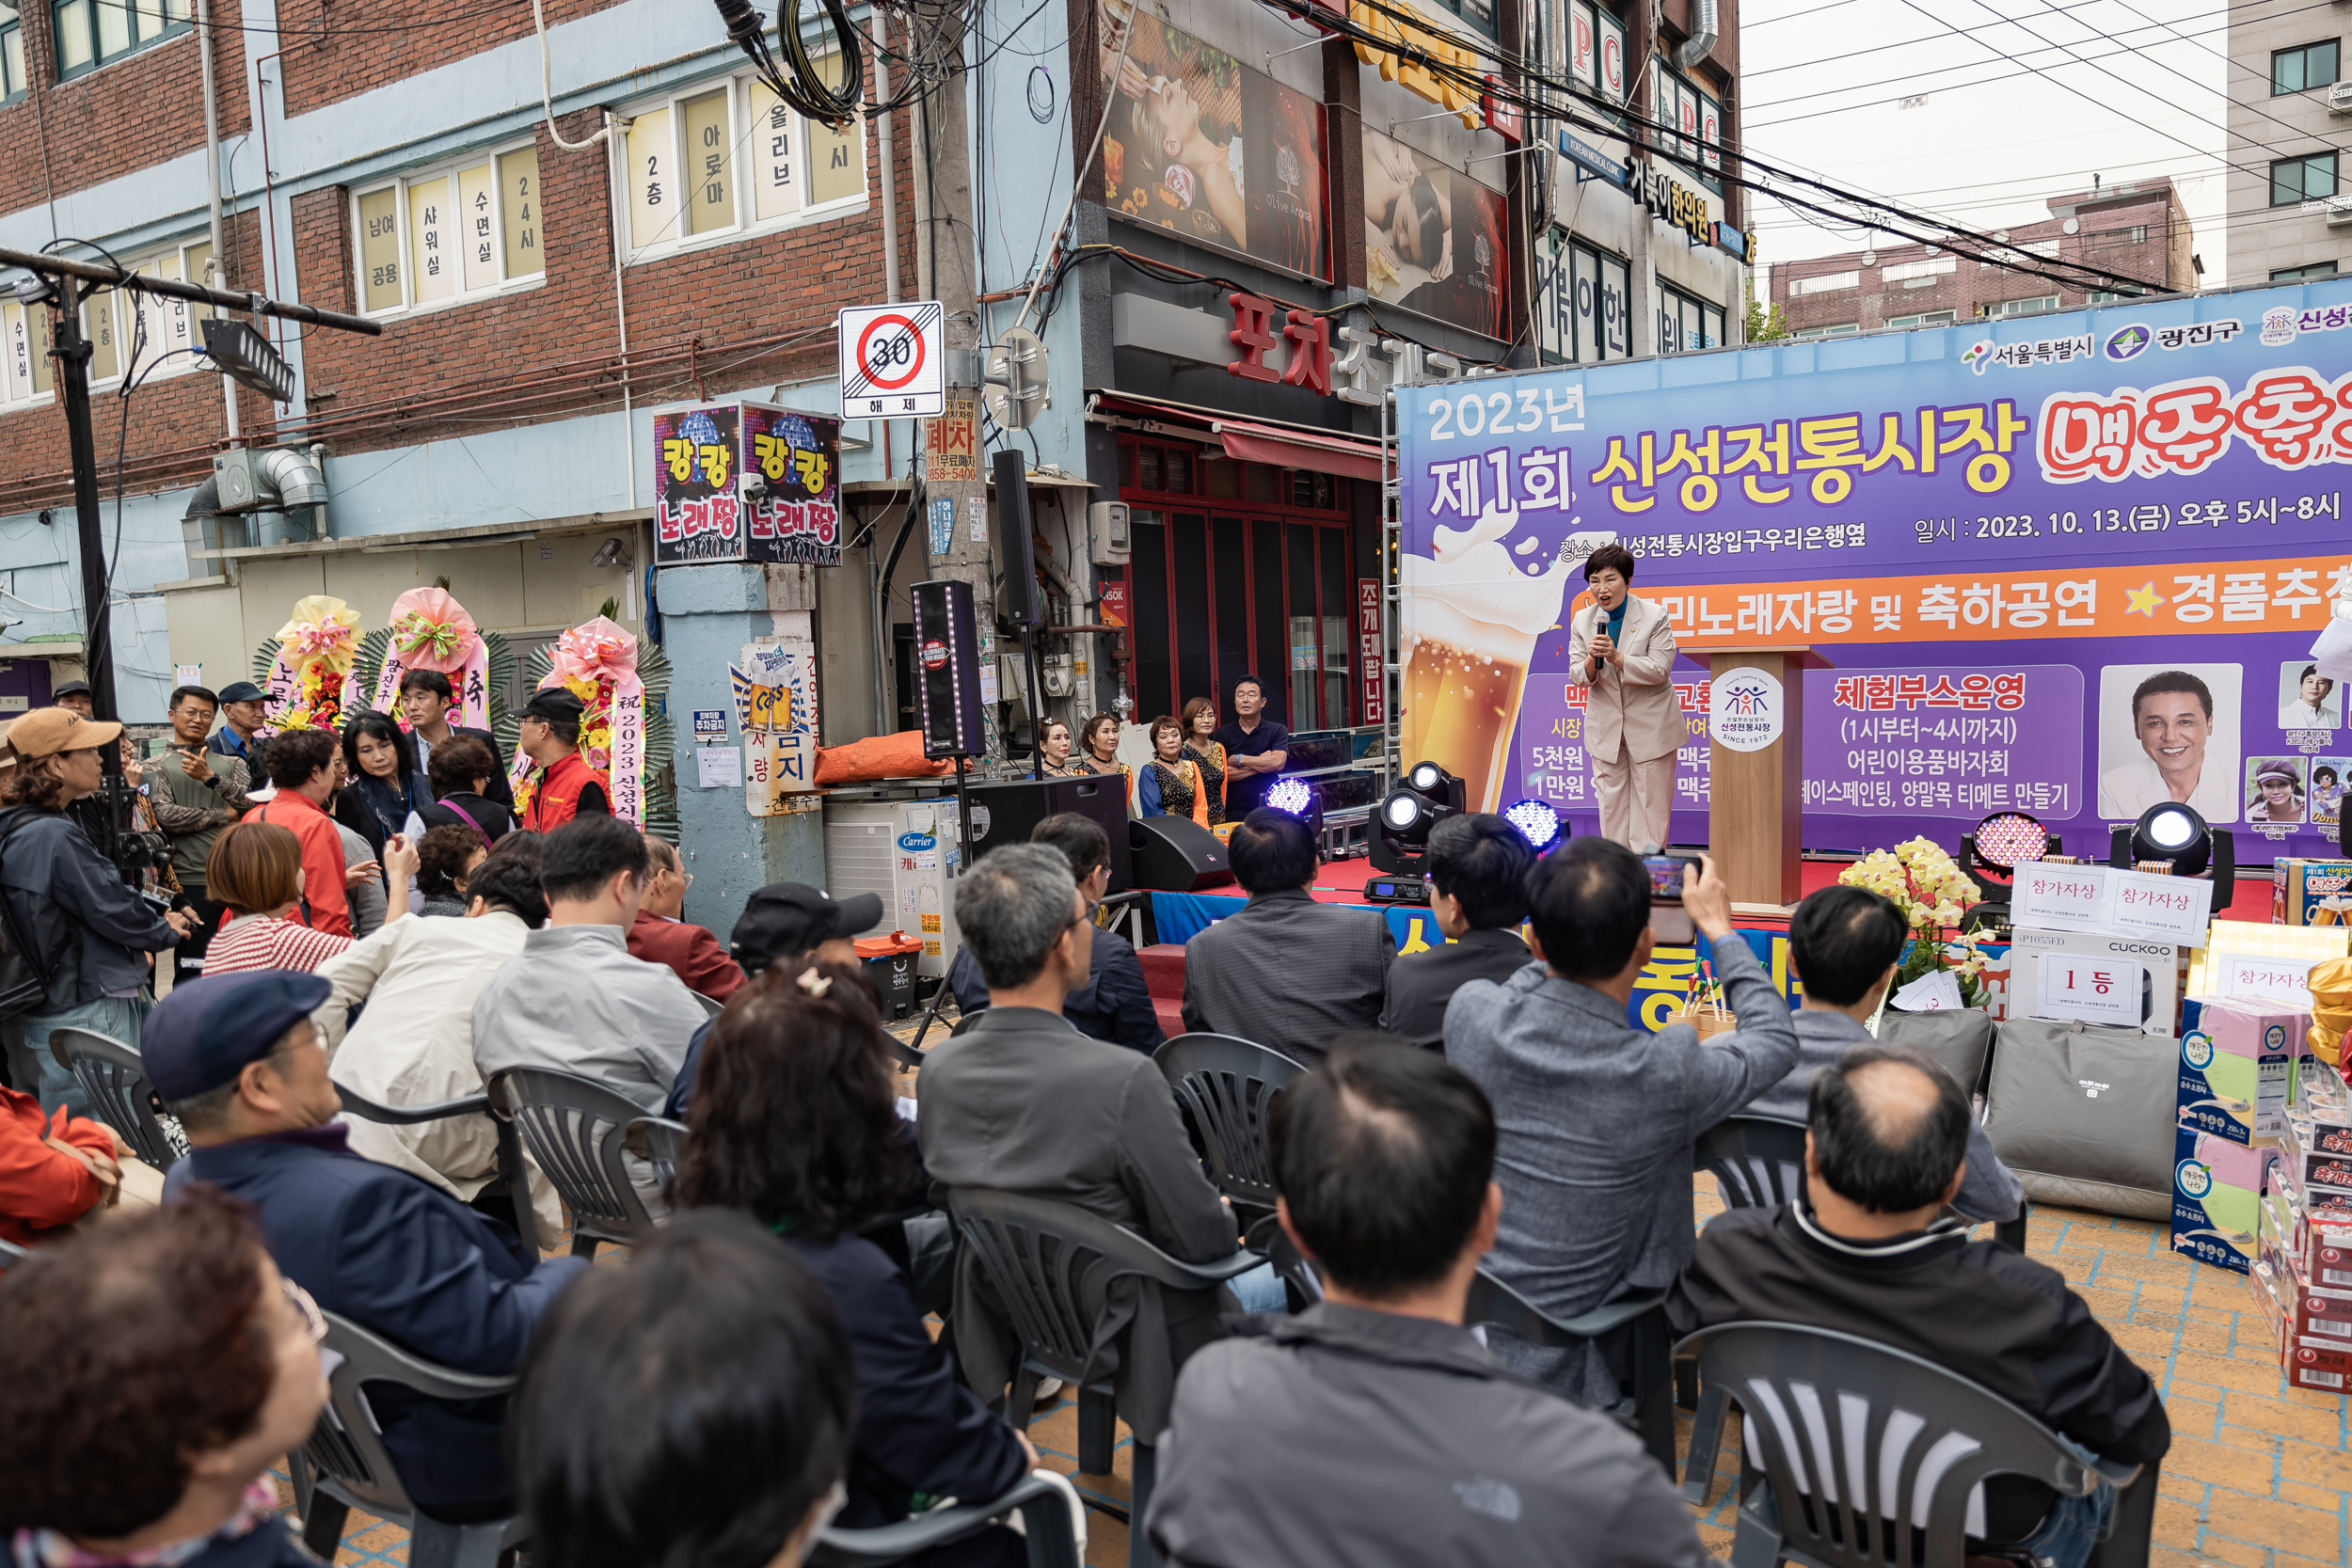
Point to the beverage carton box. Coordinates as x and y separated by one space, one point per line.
2238 1068
2310 892
2217 1197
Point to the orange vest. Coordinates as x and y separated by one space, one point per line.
557 800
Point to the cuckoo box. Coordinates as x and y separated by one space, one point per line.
2217 1197
2237 1066
2310 893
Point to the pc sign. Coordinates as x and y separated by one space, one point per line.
893 361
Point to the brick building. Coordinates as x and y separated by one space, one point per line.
2136 230
2286 189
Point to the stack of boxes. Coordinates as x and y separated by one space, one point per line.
2237 1078
2302 1279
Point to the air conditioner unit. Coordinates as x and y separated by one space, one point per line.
2339 210
2340 99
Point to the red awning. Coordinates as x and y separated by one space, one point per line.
1256 442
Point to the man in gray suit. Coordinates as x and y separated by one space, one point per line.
1283 970
1598 1118
1847 942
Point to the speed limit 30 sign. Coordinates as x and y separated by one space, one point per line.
893 361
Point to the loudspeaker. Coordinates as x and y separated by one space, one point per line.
1175 854
1007 813
1013 528
946 668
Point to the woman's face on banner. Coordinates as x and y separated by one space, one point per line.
2278 793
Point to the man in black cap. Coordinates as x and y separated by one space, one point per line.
781 923
563 786
241 709
75 697
236 1059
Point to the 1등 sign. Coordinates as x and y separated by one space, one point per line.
746 482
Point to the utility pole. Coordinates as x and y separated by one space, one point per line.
956 528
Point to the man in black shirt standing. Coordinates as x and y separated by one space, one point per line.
1255 750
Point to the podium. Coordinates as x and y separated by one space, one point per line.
1757 796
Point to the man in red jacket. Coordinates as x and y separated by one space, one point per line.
660 937
301 766
51 1173
564 785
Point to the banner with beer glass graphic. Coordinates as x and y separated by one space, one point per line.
2069 565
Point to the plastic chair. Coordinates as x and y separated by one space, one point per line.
660 1142
114 1077
712 1006
575 1130
1044 1510
344 1463
1228 1085
1051 1264
1649 1408
1872 1455
358 1104
1760 1161
9 1253
1269 1241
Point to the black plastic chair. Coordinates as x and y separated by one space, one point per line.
344 1463
1758 1162
114 1077
1227 1086
660 1142
1052 1264
1269 1241
575 1132
1872 1455
9 1253
1044 1510
1649 1407
358 1104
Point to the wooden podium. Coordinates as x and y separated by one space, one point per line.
1757 798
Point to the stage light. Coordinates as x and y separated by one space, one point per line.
2008 839
1438 786
1295 796
2174 833
1426 777
1538 821
1406 816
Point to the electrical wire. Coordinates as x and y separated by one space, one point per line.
1078 176
547 90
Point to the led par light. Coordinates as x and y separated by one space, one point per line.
1537 823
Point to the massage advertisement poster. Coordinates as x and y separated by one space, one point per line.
2071 565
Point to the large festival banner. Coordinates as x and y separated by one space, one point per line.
2071 565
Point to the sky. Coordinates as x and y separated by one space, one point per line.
2022 103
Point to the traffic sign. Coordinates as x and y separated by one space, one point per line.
894 360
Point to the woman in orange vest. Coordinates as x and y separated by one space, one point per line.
564 785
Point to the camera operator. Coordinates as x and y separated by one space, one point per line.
68 907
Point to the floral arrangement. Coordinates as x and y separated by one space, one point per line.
428 629
1932 893
306 669
622 729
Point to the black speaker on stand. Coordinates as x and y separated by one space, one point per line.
1024 606
1007 813
1175 854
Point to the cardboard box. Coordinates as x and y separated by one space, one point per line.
2261 1287
2217 1197
2166 967
2238 1068
2310 893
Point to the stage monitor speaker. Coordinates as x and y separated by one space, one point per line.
1175 854
947 668
1006 814
1013 528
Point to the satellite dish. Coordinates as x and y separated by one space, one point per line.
2073 225
2001 234
1869 257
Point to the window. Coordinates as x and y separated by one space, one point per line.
2297 274
11 52
2139 233
1919 275
731 158
1596 49
1824 283
2020 307
1696 115
1687 322
2309 178
155 337
452 235
1581 301
1479 14
1925 318
1843 329
91 33
2313 65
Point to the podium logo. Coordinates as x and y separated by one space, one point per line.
1746 710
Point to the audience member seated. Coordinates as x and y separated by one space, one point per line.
1847 943
413 1044
1477 871
694 1406
1336 1437
157 1370
801 1129
53 1171
445 858
1114 1005
658 936
1868 1256
467 785
1283 970
256 869
1024 1102
789 925
1596 1117
235 1058
573 1000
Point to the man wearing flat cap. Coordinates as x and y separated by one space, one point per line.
236 1059
563 786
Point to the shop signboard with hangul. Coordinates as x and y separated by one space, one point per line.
746 482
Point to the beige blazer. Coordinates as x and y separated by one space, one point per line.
1635 704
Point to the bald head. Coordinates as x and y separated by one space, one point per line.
1890 1129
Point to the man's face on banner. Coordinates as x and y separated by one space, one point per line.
2315 689
2174 729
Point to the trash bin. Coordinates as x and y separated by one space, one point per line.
890 961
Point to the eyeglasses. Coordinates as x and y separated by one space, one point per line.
313 1320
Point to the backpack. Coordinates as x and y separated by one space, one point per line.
23 977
